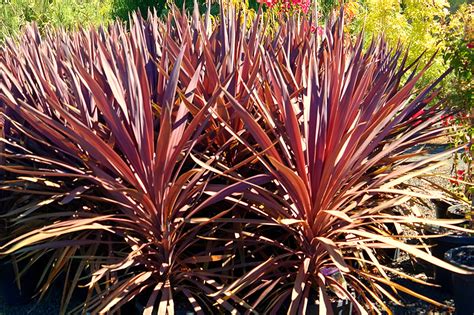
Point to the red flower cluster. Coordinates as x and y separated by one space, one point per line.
470 45
458 177
447 120
302 5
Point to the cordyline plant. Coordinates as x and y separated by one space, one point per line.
335 127
96 132
216 165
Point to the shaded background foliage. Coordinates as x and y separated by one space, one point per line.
459 54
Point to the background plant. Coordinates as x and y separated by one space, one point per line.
459 54
15 14
416 24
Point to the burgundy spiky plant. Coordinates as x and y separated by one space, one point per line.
100 132
337 127
220 165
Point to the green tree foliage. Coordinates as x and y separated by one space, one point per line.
122 8
455 4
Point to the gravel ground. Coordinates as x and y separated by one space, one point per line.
428 209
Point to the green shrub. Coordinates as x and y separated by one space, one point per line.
69 14
122 8
459 54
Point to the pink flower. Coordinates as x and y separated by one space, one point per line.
305 5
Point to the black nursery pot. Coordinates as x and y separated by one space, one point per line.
441 208
457 211
463 285
441 246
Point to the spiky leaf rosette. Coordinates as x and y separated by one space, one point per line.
99 131
337 127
